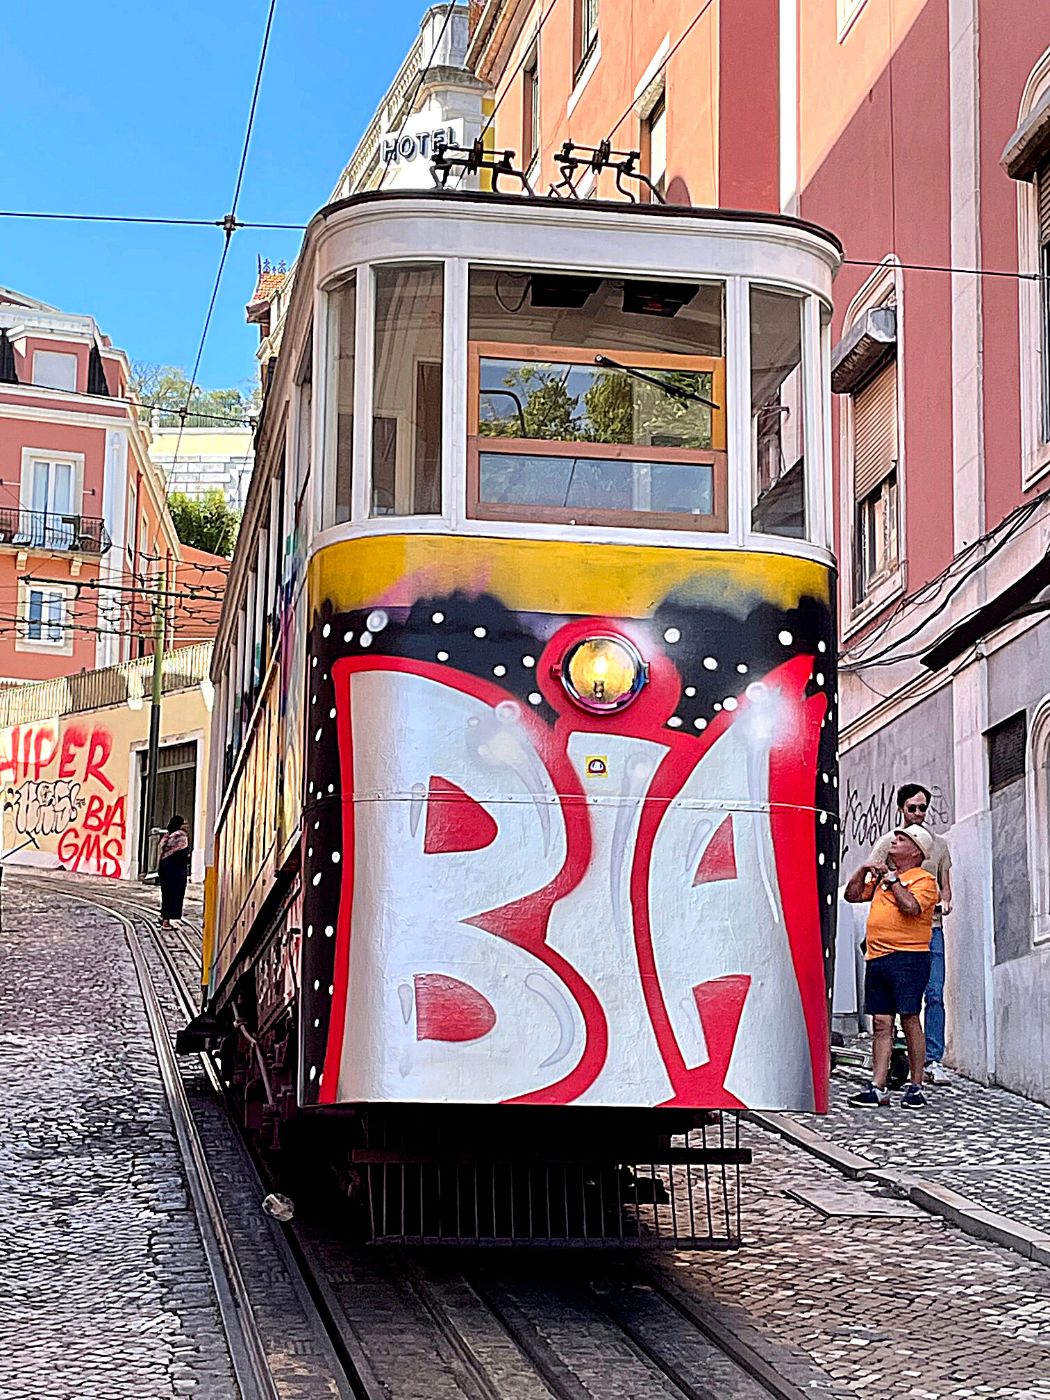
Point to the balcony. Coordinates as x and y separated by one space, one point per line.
61 534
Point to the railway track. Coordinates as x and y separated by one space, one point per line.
307 1315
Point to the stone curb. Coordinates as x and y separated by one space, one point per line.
967 1215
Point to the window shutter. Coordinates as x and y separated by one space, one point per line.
1006 751
1042 185
875 431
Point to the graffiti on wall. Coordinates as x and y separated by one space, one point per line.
869 814
509 899
61 803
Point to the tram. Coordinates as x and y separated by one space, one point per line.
524 815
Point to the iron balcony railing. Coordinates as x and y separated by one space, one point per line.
43 529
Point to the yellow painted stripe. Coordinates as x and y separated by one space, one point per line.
557 576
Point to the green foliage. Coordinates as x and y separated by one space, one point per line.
166 387
207 523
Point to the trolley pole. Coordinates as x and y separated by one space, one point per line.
149 814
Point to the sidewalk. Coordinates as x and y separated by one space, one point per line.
979 1157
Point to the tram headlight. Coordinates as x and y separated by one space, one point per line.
603 674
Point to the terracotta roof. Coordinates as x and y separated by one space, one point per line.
269 280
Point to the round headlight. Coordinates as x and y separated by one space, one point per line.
603 674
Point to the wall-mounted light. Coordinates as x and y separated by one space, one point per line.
602 674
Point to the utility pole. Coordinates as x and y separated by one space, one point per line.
149 814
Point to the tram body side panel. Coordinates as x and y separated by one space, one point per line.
509 900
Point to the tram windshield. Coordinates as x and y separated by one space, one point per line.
594 400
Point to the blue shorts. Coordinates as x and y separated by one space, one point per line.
894 984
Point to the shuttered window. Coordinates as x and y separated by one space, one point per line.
875 431
1006 751
1042 185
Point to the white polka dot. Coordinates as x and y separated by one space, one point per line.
317 1021
317 735
313 699
834 782
729 703
317 878
331 713
672 635
700 723
317 826
710 664
828 898
819 678
330 990
313 1073
348 636
366 639
329 931
822 646
377 620
310 788
336 857
535 698
820 858
309 930
326 630
442 656
528 661
756 691
438 617
690 690
741 667
499 670
310 850
674 722
313 661
717 706
823 777
823 818
317 985
331 787
480 632
785 639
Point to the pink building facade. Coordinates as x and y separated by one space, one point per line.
85 533
918 131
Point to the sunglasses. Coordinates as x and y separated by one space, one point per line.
915 806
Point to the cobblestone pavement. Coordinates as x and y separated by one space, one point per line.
899 1308
985 1143
105 1290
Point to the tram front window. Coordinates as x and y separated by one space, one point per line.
596 401
406 410
777 420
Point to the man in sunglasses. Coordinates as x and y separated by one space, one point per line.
913 804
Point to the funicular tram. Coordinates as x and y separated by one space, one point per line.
525 827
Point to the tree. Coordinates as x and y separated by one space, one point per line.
207 523
167 388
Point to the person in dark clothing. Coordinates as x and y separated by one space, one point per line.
173 869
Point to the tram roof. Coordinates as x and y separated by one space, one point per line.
579 208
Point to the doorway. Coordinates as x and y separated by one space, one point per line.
176 792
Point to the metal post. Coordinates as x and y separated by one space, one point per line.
149 814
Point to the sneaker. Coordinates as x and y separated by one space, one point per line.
871 1097
913 1097
937 1074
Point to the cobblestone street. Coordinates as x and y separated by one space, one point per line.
844 1289
106 1292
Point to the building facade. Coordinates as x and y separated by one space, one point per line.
205 459
918 131
85 534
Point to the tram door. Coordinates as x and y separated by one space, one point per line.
176 793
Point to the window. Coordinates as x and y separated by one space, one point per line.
1042 187
777 414
48 499
848 10
44 619
52 370
626 426
406 405
339 447
876 551
1038 809
584 32
133 523
654 147
530 112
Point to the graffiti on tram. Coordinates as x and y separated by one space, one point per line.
61 803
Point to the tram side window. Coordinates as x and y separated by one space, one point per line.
777 423
339 448
406 405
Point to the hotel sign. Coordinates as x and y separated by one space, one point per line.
416 145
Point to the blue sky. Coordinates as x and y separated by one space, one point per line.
140 109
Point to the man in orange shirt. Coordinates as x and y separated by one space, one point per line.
900 925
